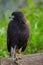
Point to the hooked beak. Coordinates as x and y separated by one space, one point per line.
11 17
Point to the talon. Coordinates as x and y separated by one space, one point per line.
18 63
18 55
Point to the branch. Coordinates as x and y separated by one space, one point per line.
32 59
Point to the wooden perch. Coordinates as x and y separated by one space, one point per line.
33 59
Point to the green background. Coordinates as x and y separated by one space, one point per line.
33 11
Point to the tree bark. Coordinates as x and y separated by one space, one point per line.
32 59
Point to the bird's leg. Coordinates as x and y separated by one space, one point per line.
13 51
18 53
18 56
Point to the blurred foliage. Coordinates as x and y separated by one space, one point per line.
34 14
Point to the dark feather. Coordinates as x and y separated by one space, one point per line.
18 32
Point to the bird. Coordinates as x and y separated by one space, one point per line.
18 33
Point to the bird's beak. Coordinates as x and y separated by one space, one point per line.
11 17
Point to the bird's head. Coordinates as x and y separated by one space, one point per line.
17 15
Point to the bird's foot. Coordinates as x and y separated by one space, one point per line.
18 56
18 62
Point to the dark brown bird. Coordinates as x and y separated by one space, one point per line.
17 34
